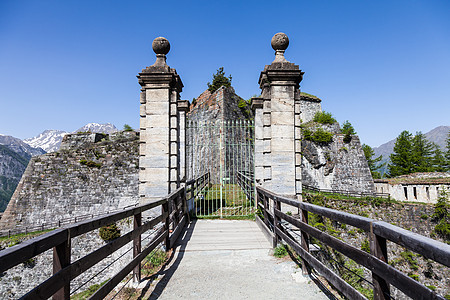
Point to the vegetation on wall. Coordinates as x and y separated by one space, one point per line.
324 117
127 127
318 136
348 130
219 79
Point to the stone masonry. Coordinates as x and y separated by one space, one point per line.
84 178
277 124
159 161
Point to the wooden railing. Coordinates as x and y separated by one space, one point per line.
59 223
194 187
383 274
173 218
247 183
346 193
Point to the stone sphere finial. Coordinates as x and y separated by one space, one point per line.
280 41
161 45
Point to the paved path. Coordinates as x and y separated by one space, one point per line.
229 259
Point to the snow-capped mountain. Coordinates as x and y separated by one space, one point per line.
98 128
49 140
18 146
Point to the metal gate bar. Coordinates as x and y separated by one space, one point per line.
222 148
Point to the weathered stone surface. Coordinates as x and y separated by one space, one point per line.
337 166
58 185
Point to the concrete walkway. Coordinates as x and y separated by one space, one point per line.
229 259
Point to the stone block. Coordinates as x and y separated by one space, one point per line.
157 108
267 146
155 148
267 132
284 158
267 120
173 122
157 121
154 176
280 145
267 172
157 95
282 105
282 118
153 161
282 131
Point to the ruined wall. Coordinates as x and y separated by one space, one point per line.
216 125
336 166
309 106
89 177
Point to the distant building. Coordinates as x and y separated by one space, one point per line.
416 187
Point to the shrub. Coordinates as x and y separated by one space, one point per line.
441 215
323 117
321 136
109 233
280 251
347 128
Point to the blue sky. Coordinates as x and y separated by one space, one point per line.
382 65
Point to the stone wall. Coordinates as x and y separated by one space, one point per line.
337 166
416 187
89 177
309 106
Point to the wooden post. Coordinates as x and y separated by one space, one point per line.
378 248
276 221
266 207
137 247
305 241
165 208
61 259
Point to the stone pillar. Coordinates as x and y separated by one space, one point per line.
159 136
280 118
183 109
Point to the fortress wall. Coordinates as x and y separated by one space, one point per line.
337 166
87 178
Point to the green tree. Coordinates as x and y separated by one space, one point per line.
401 159
447 155
127 127
422 151
348 130
438 159
374 163
219 79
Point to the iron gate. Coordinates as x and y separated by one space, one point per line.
222 148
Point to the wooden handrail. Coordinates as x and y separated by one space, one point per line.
64 271
382 273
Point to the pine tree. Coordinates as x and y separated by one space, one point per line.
447 155
401 159
374 165
438 159
421 153
219 79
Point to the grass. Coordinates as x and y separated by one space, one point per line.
280 251
18 238
89 292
